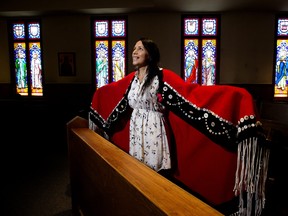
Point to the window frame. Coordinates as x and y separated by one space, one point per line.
110 39
200 38
36 92
283 97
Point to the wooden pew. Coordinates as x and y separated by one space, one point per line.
274 117
107 181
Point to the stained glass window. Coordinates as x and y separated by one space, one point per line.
200 49
110 41
281 57
34 30
101 28
27 58
191 27
102 62
19 31
118 60
208 61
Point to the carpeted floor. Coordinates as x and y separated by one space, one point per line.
33 161
39 188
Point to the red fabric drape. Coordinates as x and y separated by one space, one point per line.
202 165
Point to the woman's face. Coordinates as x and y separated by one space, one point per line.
139 55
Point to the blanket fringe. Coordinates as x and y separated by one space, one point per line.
98 130
251 175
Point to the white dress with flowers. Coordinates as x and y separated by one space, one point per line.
148 139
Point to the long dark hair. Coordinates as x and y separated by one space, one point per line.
152 61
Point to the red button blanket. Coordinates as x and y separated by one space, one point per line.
219 150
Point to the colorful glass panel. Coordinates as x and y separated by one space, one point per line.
110 50
18 31
191 53
34 30
282 29
191 27
35 69
118 28
20 61
281 68
208 62
118 60
27 58
101 28
209 27
200 36
102 63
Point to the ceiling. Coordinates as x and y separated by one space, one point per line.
34 7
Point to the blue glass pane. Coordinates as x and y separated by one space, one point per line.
118 60
118 28
102 63
35 68
101 29
191 52
34 30
281 82
20 62
209 62
282 27
18 31
191 27
209 27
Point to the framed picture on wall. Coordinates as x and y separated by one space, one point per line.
66 62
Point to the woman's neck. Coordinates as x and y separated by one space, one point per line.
142 73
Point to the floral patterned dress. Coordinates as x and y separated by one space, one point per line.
148 139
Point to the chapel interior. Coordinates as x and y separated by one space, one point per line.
34 159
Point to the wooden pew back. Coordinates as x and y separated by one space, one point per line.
107 181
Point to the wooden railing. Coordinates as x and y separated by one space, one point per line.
107 181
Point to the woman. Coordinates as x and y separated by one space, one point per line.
147 133
207 125
148 140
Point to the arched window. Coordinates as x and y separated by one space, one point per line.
200 48
110 49
26 57
281 57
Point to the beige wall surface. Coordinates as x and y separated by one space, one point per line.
4 53
246 47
